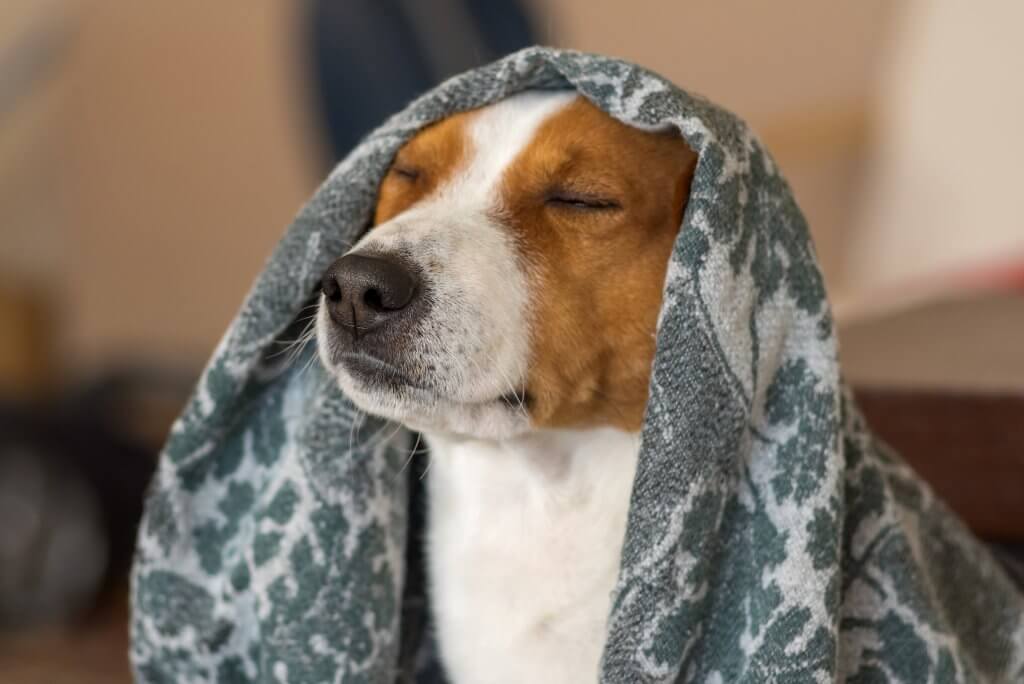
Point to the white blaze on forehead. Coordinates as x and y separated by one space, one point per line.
496 137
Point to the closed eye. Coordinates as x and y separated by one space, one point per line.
579 201
409 173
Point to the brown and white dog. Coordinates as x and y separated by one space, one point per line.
505 305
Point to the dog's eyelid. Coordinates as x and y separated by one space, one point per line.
407 171
581 200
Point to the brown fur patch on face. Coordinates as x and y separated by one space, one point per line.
595 206
423 165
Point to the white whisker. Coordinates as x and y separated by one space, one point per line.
411 453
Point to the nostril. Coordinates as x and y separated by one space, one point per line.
329 286
390 287
374 299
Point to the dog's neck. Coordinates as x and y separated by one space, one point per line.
525 536
543 456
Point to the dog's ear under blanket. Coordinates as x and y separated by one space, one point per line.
770 536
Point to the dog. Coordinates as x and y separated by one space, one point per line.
504 305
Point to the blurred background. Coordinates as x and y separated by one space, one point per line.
152 153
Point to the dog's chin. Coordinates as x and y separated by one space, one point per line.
383 391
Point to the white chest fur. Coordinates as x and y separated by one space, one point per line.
524 540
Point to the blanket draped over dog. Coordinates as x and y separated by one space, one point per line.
770 538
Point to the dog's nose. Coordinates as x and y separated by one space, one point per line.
362 292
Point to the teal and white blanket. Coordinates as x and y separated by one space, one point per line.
771 537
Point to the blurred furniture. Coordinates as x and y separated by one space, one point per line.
969 447
969 343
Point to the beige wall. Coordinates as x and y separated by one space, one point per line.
942 198
188 153
765 60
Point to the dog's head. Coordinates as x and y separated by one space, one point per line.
514 274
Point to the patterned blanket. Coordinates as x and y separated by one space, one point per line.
771 537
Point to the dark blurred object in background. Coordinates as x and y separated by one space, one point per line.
54 543
72 477
370 58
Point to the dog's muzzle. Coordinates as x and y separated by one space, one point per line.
374 305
